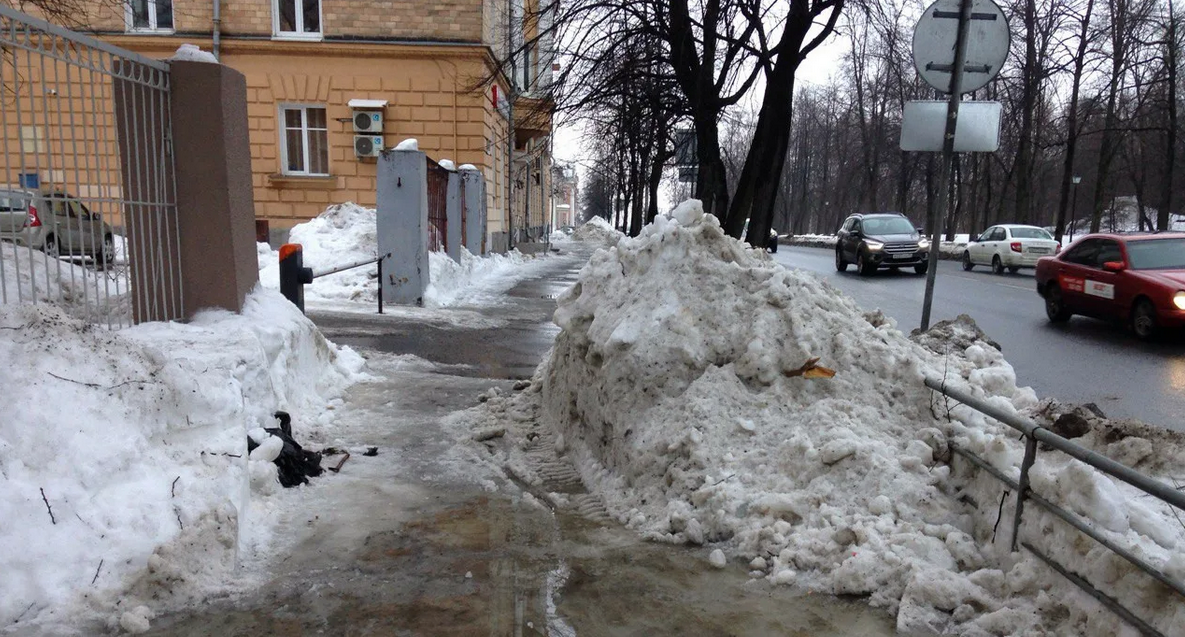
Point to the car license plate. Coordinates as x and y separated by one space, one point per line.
903 256
1038 250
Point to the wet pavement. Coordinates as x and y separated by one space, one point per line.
410 542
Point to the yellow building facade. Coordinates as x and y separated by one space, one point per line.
433 67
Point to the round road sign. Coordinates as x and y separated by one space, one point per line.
934 44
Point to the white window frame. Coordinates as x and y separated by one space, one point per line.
129 19
304 128
299 34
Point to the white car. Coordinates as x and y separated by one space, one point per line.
1009 246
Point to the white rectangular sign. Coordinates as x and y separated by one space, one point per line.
923 125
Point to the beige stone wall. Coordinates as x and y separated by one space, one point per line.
428 99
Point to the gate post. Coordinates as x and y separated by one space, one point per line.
475 209
215 197
402 225
453 213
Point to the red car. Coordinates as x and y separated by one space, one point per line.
1135 278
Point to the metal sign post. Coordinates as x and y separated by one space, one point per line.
932 47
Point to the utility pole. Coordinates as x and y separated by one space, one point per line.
948 157
511 93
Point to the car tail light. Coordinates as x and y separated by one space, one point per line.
1058 248
34 220
1016 246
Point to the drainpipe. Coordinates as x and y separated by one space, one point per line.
217 28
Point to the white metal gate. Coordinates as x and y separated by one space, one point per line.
88 215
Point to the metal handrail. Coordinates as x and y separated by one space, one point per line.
1035 433
1138 480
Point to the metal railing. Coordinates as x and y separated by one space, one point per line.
88 216
294 275
437 207
1034 434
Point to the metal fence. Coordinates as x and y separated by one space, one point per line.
1034 434
437 207
88 215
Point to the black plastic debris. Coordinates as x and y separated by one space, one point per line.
371 451
295 464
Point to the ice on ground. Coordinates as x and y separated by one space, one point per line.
123 467
192 53
679 388
346 233
410 143
598 231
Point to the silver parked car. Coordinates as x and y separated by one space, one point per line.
56 223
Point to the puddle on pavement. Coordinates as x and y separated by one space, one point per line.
531 573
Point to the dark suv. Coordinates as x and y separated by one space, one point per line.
880 240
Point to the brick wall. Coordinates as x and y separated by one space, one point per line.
439 20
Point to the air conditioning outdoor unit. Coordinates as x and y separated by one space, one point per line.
368 121
368 145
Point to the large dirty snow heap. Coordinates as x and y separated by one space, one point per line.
598 230
668 388
124 476
346 233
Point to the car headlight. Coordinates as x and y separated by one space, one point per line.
874 245
923 244
1179 300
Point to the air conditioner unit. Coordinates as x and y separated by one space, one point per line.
368 145
368 121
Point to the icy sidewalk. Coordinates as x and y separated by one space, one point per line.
425 538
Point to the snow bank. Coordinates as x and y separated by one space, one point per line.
410 143
598 230
675 386
32 276
346 233
193 53
342 234
475 280
136 441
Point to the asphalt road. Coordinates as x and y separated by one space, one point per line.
1082 361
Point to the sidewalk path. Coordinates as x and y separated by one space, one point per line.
416 541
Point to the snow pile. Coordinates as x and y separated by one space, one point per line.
448 164
193 53
813 240
343 234
410 143
681 386
1123 215
123 469
32 276
598 230
346 233
475 279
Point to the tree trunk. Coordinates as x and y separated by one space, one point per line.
1119 38
1072 123
1170 156
756 190
1031 78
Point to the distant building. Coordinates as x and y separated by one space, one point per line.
413 69
564 212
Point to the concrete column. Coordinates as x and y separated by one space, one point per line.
215 197
402 225
453 211
474 191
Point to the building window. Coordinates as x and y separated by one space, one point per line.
305 141
150 15
297 18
